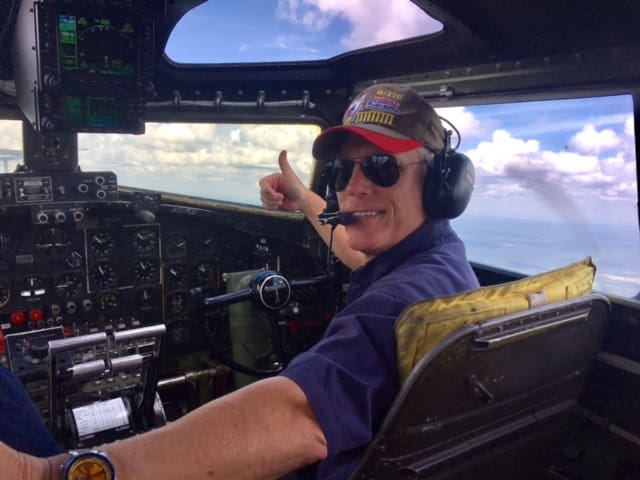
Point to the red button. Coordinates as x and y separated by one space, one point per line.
3 344
35 315
17 318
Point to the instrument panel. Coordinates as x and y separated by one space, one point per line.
111 271
237 293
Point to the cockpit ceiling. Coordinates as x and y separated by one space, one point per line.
523 28
543 41
505 30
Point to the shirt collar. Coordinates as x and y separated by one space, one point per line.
429 235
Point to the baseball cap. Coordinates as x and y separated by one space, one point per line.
394 118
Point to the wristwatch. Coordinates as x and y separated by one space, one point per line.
87 464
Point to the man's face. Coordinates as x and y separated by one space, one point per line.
383 215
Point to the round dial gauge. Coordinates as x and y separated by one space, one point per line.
108 301
101 243
147 299
177 303
206 246
145 270
103 275
175 275
145 241
176 247
69 285
74 259
204 273
5 292
53 241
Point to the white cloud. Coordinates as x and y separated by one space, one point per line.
569 163
10 145
591 141
628 126
372 21
465 121
11 135
503 150
508 166
215 161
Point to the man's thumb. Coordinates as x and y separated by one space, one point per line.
284 163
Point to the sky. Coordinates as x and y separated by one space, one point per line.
568 160
285 30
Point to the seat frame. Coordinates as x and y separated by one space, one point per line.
489 394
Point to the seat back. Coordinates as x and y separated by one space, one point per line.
477 402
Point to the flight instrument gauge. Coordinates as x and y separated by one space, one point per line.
206 246
145 270
176 247
103 275
101 243
53 241
74 259
145 241
176 275
69 285
147 299
108 301
177 303
204 273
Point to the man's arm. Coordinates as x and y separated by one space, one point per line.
285 190
261 431
311 205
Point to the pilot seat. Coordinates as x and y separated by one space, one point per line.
490 378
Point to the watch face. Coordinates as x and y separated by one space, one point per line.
89 466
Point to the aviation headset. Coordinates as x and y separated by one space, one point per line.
449 181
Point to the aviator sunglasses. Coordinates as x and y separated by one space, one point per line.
381 169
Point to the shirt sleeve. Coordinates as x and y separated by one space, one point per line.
350 377
21 425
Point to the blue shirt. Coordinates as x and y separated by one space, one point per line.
21 425
350 377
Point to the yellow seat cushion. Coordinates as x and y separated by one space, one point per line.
422 325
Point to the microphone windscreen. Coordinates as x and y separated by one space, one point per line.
346 218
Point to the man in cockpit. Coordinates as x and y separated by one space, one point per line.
21 424
327 405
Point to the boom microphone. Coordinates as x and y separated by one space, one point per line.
336 217
331 215
346 218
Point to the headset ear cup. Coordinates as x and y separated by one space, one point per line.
448 185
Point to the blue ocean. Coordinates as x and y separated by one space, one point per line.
534 246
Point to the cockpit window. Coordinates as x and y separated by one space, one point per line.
11 145
222 162
292 30
555 182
